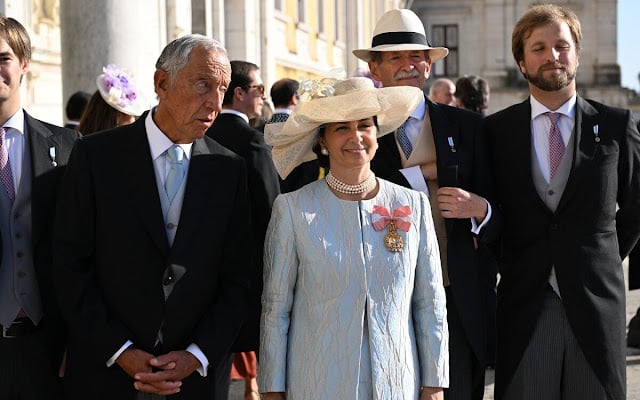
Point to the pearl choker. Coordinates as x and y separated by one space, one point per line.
345 188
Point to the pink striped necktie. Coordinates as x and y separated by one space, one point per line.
6 175
556 144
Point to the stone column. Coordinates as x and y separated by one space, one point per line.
95 33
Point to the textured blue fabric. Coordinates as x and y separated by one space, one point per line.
343 317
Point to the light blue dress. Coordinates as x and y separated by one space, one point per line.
343 317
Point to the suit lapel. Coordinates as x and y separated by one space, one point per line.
586 119
141 181
41 141
520 151
199 188
446 135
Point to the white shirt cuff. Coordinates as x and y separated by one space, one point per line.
113 358
197 353
414 176
475 228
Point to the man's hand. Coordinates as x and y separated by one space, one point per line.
273 396
431 393
429 171
171 368
133 361
458 203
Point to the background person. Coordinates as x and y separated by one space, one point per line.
284 94
243 100
442 91
472 93
344 315
117 102
75 107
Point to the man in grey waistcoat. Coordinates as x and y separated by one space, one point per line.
32 334
568 183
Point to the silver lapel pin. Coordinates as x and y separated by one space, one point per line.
52 156
595 133
451 144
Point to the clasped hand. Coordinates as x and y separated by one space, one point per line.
161 375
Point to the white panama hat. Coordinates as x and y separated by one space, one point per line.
332 100
399 30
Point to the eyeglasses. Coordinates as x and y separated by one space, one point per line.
259 87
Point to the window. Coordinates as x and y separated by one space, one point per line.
447 36
301 11
320 16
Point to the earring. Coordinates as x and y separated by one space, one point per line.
324 151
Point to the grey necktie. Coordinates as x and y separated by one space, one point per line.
403 139
175 175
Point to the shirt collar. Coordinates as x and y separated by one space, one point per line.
235 112
158 141
419 112
282 111
16 121
567 109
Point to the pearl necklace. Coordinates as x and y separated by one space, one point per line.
345 188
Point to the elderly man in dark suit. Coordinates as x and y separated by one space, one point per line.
153 244
440 150
32 152
563 166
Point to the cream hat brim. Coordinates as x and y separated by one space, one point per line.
400 30
355 99
435 53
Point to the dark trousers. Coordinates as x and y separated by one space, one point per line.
553 366
26 373
466 372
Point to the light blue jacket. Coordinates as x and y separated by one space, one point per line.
343 317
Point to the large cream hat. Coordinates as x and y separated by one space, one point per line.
399 30
118 89
331 100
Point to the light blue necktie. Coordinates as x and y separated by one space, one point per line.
403 139
175 175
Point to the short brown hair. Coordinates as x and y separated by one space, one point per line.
538 16
17 38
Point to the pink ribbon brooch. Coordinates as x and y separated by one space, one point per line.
399 218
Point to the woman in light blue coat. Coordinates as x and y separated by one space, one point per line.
353 302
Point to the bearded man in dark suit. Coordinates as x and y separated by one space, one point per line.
153 249
568 182
446 158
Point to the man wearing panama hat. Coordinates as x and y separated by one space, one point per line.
440 150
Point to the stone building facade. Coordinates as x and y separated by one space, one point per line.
74 39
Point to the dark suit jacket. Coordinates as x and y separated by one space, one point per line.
235 134
112 252
634 260
45 183
467 168
585 239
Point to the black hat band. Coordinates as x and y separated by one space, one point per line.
399 38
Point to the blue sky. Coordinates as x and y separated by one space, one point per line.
628 47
